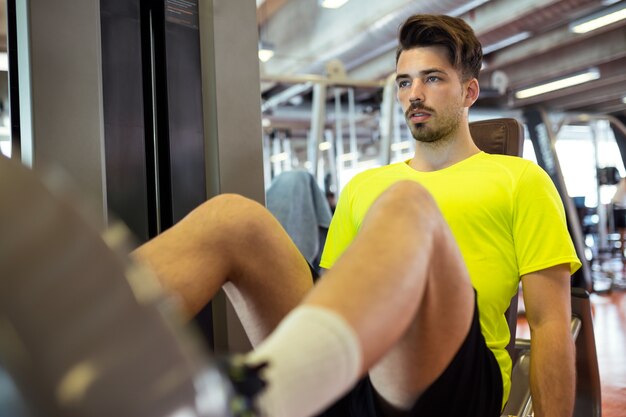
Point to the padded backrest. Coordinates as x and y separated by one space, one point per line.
499 136
505 137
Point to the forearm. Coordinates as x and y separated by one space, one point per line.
552 371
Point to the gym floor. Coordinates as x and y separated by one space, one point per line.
609 322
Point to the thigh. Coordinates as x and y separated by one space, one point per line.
439 328
233 243
471 386
404 288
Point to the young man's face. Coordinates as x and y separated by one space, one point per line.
431 93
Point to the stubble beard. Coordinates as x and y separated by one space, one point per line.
442 132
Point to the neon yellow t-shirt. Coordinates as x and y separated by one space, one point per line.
504 213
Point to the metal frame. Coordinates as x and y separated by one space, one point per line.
543 138
615 123
233 149
61 92
320 84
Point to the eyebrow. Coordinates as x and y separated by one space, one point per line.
427 71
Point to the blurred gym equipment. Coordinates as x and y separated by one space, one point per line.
85 332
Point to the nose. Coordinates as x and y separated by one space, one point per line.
416 94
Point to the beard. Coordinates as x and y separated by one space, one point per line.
445 124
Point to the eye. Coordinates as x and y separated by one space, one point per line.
432 79
403 83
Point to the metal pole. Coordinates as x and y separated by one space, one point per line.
60 94
338 160
354 150
318 117
332 162
386 120
267 168
287 149
602 217
277 155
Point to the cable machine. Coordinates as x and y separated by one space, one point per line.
326 150
543 136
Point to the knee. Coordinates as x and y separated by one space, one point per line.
235 204
229 210
410 203
407 187
409 195
231 217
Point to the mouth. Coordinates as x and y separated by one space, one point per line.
418 116
418 113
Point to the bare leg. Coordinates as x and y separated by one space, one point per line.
403 287
232 242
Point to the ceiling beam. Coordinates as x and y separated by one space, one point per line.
582 96
486 19
526 66
498 14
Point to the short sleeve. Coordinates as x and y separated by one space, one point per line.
342 230
540 229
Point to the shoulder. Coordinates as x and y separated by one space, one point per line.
517 168
507 162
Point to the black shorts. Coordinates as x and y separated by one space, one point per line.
471 386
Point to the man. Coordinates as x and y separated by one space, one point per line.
399 302
508 221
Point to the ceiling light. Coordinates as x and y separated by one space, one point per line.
266 51
624 99
466 7
506 42
324 146
332 4
590 75
600 19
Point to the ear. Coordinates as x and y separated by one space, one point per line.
471 91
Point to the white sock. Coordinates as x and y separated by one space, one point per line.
314 357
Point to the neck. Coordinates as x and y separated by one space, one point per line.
445 152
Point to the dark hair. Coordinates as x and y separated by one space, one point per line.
464 50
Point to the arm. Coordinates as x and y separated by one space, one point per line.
552 372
